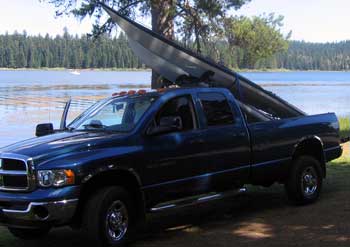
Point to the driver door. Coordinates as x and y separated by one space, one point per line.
176 160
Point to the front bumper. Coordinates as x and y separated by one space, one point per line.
51 207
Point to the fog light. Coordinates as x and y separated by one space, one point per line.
41 212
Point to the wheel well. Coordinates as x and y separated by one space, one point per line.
311 147
122 178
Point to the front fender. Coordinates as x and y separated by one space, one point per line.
88 163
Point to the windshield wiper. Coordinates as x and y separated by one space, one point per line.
70 128
94 127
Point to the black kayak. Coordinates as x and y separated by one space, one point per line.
178 65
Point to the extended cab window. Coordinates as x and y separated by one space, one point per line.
216 109
179 107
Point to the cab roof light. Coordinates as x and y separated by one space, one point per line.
141 91
130 92
161 90
122 93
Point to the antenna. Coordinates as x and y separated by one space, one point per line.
49 111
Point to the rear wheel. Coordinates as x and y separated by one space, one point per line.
108 217
305 180
29 234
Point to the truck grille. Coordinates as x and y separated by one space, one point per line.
15 165
15 173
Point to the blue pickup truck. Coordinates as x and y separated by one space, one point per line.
146 152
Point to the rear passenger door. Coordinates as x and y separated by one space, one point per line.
226 140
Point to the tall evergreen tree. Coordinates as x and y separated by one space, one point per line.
20 50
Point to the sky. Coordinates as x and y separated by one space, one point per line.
309 20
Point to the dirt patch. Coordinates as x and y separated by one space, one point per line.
346 149
261 217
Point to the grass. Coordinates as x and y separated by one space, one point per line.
344 160
344 123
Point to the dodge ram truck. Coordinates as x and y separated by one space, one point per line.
141 152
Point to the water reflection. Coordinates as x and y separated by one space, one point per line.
31 97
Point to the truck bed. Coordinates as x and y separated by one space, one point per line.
274 142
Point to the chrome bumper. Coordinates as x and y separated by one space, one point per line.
58 212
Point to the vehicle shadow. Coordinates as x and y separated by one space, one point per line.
171 224
261 217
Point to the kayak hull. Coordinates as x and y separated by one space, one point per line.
172 61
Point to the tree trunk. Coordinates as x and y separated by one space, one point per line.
162 12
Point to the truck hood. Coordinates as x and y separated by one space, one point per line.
50 146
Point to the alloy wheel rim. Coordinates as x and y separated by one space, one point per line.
309 181
117 221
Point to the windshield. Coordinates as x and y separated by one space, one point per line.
119 114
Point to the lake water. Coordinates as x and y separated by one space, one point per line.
31 97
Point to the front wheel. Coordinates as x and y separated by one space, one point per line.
29 234
305 181
107 219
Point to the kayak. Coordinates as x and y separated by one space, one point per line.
184 67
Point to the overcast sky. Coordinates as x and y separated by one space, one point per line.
309 20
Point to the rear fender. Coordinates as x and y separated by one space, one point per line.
312 146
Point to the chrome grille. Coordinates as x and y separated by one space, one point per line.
16 173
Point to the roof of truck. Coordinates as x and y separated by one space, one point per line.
162 91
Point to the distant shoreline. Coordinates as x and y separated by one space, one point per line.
146 69
65 69
285 70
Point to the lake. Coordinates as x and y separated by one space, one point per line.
31 97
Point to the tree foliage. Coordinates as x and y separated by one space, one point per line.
67 51
194 19
313 56
20 50
259 37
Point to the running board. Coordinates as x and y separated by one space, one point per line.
194 200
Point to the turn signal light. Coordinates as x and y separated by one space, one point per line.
70 176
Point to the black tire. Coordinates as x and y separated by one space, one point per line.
99 219
304 184
29 234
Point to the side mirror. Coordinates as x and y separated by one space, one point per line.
44 129
166 125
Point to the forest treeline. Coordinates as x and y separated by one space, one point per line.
66 51
20 50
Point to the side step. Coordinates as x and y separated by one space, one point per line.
194 200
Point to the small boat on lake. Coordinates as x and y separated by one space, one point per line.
75 72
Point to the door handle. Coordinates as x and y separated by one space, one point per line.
197 141
239 134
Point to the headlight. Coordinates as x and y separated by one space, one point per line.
55 178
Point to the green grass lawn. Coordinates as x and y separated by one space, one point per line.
344 126
344 161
